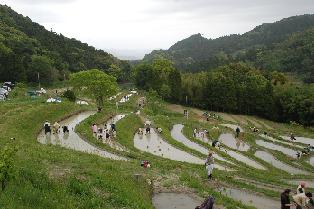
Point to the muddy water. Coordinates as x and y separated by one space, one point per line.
174 201
268 145
155 145
278 164
73 140
280 141
111 142
232 126
230 141
308 183
311 161
203 138
177 135
302 140
245 160
248 198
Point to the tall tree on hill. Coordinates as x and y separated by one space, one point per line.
95 83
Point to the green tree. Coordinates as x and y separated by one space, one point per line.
95 83
43 66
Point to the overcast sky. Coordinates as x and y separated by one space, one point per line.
131 28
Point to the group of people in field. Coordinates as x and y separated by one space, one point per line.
147 128
306 150
200 133
300 198
55 128
106 132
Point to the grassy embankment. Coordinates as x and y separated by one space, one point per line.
54 177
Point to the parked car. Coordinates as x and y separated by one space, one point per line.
6 88
4 91
2 97
9 84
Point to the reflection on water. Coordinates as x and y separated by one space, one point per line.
232 142
311 161
177 134
72 140
280 141
302 140
251 199
278 164
155 145
245 160
272 146
174 201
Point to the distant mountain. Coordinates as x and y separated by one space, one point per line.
27 48
197 53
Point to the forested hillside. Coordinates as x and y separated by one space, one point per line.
235 88
197 53
27 48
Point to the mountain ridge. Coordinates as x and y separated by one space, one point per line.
197 53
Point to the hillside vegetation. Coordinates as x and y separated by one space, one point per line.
27 48
285 46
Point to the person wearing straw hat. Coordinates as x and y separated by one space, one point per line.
209 163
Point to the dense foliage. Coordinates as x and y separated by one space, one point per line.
236 88
95 84
286 45
160 76
293 55
27 48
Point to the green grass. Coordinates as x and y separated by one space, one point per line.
92 182
48 176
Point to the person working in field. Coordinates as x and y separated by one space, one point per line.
216 143
209 163
56 127
47 127
292 137
65 129
303 200
238 132
207 204
285 199
301 187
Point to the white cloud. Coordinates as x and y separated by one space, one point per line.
142 25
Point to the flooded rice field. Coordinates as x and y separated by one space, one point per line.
302 140
174 201
154 144
311 160
233 143
72 140
280 141
251 199
245 160
177 135
267 157
268 145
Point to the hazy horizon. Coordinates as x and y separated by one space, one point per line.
131 29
